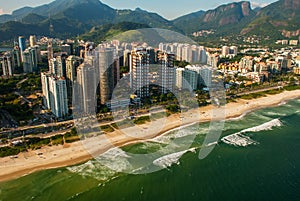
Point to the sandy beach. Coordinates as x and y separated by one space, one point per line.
78 152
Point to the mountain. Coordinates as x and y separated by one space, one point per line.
33 19
103 32
277 19
70 18
91 12
144 17
85 11
185 20
59 8
66 28
224 19
74 17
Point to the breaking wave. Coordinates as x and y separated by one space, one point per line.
266 126
238 139
94 170
168 160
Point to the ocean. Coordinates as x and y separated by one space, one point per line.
267 169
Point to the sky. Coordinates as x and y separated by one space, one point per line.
169 9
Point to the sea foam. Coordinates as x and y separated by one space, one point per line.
93 169
167 160
266 126
238 139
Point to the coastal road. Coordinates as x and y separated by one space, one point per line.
259 90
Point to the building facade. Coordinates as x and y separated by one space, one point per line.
139 68
166 72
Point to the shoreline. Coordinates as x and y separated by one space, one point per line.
76 153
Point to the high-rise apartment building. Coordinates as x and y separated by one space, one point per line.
58 96
204 73
179 78
72 64
225 51
50 55
186 79
61 66
247 63
45 89
53 67
213 60
32 40
22 43
7 65
166 71
55 94
107 66
85 95
233 50
139 72
28 65
67 49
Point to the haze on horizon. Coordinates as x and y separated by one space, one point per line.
169 9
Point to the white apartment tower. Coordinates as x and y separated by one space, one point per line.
58 96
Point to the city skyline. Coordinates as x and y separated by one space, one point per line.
175 8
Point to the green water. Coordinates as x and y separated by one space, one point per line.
267 171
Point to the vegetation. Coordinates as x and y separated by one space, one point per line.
122 124
124 69
173 108
181 64
36 142
33 83
19 109
158 115
107 128
261 94
291 88
103 32
57 140
142 120
11 151
71 136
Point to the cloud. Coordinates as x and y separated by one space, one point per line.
1 11
257 4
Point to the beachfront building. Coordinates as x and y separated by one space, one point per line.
58 96
45 89
55 94
186 79
166 72
85 95
72 64
108 68
139 72
204 73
